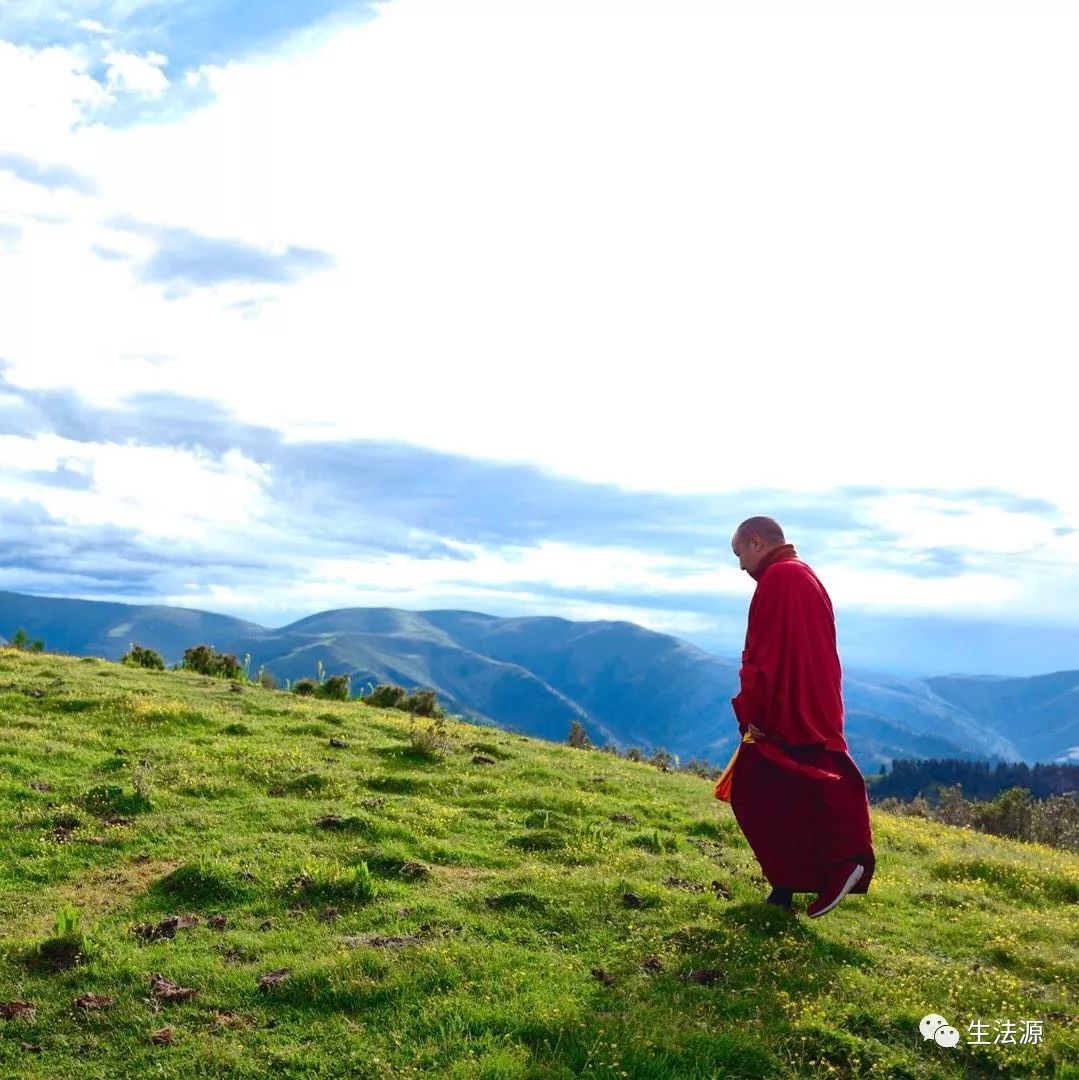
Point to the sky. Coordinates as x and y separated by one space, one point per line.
521 307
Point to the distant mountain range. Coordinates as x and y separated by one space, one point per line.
626 685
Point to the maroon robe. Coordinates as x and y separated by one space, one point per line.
796 794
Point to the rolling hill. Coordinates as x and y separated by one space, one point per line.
627 685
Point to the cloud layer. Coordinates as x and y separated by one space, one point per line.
524 307
174 499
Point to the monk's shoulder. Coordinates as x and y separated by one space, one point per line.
792 575
789 569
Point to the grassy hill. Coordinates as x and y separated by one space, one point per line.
552 913
535 675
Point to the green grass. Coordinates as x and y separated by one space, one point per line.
444 919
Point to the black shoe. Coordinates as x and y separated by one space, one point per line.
780 897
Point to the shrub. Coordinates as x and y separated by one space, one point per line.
1056 821
335 688
386 696
266 679
431 741
199 658
421 702
228 667
19 640
953 809
304 687
578 737
662 760
1014 813
1009 814
137 656
203 659
703 768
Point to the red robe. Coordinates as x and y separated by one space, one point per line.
797 794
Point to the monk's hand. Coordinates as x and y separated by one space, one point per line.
756 732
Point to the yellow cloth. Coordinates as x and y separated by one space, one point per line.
723 784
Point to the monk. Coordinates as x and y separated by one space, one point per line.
795 791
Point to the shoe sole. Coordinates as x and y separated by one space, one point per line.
855 877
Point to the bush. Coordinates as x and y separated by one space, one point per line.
662 760
199 658
703 768
422 702
335 688
1014 813
137 656
953 809
578 737
304 687
432 741
1056 821
1009 814
203 659
266 679
386 696
228 667
19 640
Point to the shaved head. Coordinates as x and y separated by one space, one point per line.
753 539
765 527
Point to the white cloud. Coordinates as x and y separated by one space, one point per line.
93 26
635 249
553 564
138 74
160 493
930 521
46 93
874 590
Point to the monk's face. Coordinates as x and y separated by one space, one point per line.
748 550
